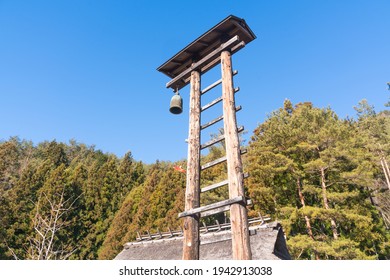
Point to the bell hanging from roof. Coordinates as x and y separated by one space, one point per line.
176 106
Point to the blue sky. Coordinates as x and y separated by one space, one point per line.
86 70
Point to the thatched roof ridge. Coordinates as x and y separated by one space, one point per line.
267 243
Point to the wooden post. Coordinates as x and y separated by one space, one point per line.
238 212
192 197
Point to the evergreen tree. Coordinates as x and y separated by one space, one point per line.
326 180
309 171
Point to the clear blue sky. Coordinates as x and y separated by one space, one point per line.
86 70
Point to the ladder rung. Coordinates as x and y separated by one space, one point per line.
211 122
238 108
220 210
219 184
218 139
216 101
219 160
212 142
212 163
213 85
215 186
212 103
209 207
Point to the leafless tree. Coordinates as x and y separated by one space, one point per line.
50 218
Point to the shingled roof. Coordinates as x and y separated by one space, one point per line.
267 243
203 46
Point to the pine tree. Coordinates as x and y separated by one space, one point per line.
308 170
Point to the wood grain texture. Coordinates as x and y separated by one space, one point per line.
238 212
192 196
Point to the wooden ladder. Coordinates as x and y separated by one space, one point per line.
237 201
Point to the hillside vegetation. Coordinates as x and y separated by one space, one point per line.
324 178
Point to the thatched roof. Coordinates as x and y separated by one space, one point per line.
267 243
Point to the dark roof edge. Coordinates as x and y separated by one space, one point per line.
240 20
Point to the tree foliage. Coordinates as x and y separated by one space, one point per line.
324 178
60 198
315 173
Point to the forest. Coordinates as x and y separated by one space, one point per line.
325 179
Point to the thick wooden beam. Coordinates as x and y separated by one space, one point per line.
238 212
212 206
217 60
192 197
220 210
210 57
203 68
186 64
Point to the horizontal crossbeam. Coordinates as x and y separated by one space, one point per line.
220 209
218 139
216 101
212 163
212 103
206 125
213 85
223 203
204 61
217 161
219 184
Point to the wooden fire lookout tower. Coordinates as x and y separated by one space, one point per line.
214 47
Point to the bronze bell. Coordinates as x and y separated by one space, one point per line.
176 104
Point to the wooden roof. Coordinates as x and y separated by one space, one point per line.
204 46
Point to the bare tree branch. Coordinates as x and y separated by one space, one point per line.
47 224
